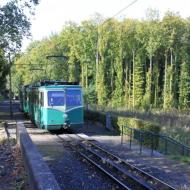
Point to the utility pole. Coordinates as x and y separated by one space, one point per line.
10 89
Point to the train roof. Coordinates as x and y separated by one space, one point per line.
59 86
52 84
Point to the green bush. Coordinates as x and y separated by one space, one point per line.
138 125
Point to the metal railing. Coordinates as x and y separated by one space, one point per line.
155 142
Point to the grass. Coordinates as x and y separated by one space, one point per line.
184 159
174 123
1 98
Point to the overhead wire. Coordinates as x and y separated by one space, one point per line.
117 13
123 9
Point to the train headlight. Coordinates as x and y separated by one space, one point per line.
65 115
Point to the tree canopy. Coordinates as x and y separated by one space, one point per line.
134 63
15 25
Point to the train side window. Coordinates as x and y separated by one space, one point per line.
41 98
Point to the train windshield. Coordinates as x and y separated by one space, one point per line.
73 97
56 98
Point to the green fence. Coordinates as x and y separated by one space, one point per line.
155 142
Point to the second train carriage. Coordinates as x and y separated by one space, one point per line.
54 104
23 96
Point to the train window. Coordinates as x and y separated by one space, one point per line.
73 97
56 98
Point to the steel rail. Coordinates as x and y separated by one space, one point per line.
123 175
125 179
103 170
137 171
96 164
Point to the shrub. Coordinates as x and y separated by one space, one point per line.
140 126
118 122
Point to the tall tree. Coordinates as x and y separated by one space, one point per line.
173 27
151 43
15 25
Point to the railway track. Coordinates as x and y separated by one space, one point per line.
126 175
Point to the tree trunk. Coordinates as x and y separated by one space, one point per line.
175 86
150 85
86 75
133 78
112 78
130 84
156 85
165 79
126 83
97 61
83 75
171 78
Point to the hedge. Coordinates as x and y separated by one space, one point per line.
118 122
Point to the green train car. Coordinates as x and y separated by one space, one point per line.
53 105
23 96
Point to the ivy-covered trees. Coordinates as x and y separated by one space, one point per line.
131 63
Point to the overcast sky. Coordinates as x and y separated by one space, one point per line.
52 14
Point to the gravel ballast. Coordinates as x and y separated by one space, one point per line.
70 169
173 172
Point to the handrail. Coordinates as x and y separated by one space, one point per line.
149 140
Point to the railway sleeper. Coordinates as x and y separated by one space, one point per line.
87 146
129 167
122 175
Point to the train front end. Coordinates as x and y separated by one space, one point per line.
63 107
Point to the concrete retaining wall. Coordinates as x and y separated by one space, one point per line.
39 174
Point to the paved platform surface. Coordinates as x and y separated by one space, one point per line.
171 171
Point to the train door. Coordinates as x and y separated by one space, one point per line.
41 108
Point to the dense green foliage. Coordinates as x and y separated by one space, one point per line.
141 64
